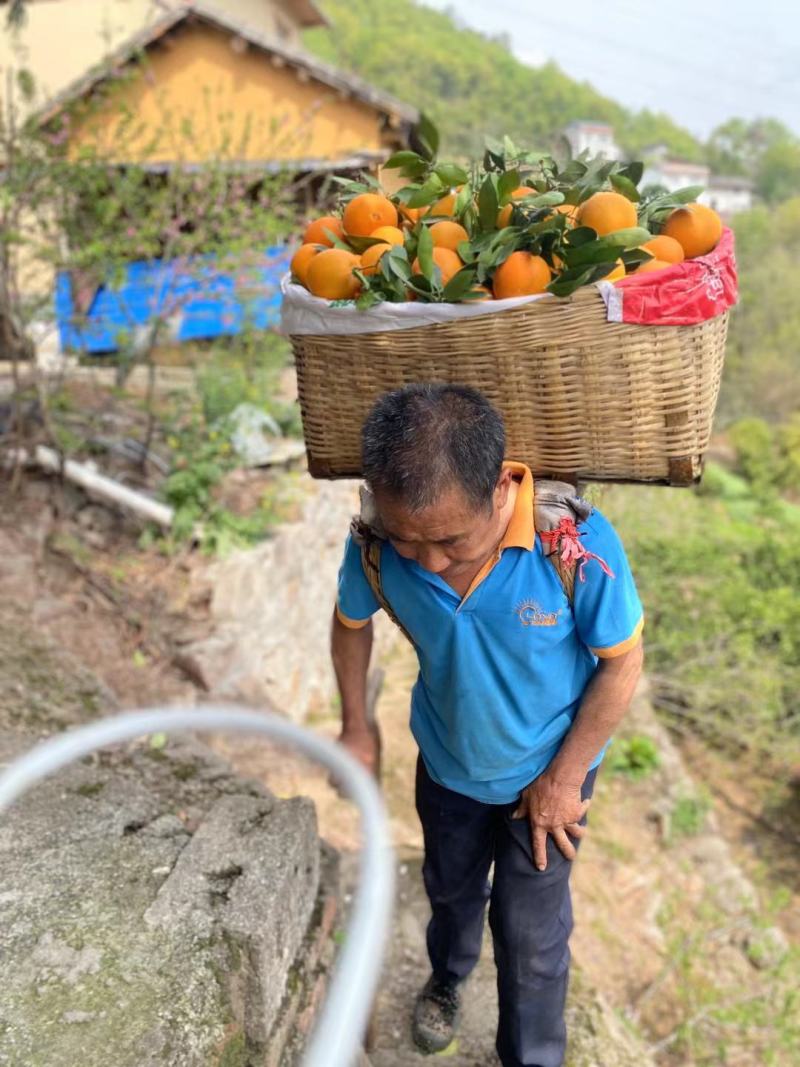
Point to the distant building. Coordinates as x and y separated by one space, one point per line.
596 138
234 73
729 195
673 174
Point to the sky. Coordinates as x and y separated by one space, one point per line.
700 61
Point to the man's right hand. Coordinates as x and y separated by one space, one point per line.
364 744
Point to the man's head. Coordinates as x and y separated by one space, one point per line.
433 457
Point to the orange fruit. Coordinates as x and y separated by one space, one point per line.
504 214
330 274
301 260
411 214
315 231
446 260
448 235
366 212
665 248
445 206
371 257
570 210
695 227
607 212
616 273
652 264
522 274
390 234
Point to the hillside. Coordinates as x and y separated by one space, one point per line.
471 84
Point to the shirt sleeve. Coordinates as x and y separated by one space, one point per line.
608 611
355 602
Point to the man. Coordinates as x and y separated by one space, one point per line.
518 693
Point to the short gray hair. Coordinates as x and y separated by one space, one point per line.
423 439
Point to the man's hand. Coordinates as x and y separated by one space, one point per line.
552 807
364 744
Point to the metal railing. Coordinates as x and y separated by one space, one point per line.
337 1036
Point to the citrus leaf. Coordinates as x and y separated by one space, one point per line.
451 174
425 253
625 186
466 252
633 171
629 237
580 235
487 203
410 163
569 281
459 285
506 185
635 257
428 136
427 193
463 200
688 195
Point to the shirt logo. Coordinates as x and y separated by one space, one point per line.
532 614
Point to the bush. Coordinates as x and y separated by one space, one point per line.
635 757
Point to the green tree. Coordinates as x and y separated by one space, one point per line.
471 84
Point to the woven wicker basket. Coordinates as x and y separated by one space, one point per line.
581 397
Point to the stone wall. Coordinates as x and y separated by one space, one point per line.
155 909
271 610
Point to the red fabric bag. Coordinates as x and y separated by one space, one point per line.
681 295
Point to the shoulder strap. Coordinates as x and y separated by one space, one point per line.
371 546
553 503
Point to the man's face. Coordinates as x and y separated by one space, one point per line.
449 536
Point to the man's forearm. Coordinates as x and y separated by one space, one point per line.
605 702
351 651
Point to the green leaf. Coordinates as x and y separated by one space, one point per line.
410 164
573 172
635 257
506 185
429 192
569 281
466 252
580 235
463 200
459 285
451 174
394 264
428 136
487 203
625 186
688 195
425 253
158 740
633 171
630 237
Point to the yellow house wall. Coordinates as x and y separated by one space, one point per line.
199 97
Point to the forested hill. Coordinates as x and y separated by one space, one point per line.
472 85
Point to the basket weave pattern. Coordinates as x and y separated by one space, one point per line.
579 395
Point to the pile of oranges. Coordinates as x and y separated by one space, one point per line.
335 261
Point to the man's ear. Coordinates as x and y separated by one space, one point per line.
502 488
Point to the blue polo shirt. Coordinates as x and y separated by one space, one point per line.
502 671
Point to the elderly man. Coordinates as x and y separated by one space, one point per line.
522 681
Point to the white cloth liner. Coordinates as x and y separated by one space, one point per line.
302 313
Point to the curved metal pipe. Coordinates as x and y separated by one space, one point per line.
340 1029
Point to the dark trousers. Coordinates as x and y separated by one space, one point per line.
530 914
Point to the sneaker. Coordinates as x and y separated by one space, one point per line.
436 1015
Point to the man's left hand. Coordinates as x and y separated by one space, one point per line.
552 807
